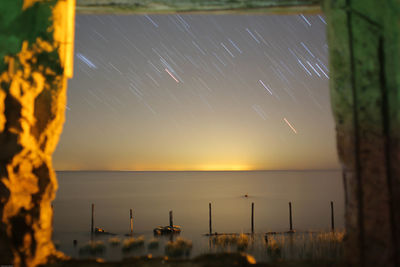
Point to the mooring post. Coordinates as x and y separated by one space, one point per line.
290 217
209 217
171 223
252 217
332 218
131 221
92 225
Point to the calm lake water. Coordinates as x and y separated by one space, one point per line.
152 195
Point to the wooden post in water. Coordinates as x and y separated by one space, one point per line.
332 218
252 217
171 223
290 217
92 225
209 216
131 221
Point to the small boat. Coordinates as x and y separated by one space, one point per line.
99 230
165 230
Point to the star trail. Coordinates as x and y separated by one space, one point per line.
183 92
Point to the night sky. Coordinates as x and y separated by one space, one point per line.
198 92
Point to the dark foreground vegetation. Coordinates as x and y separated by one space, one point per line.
273 249
207 260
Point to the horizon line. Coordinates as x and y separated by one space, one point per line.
272 170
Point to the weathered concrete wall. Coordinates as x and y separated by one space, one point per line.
364 47
36 59
198 6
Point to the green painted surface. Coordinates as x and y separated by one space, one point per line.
17 26
340 74
391 48
10 40
342 108
217 6
364 65
391 23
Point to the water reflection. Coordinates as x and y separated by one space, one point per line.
189 194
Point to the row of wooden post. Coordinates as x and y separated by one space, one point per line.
171 223
92 228
290 217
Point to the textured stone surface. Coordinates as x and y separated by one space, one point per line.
32 103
